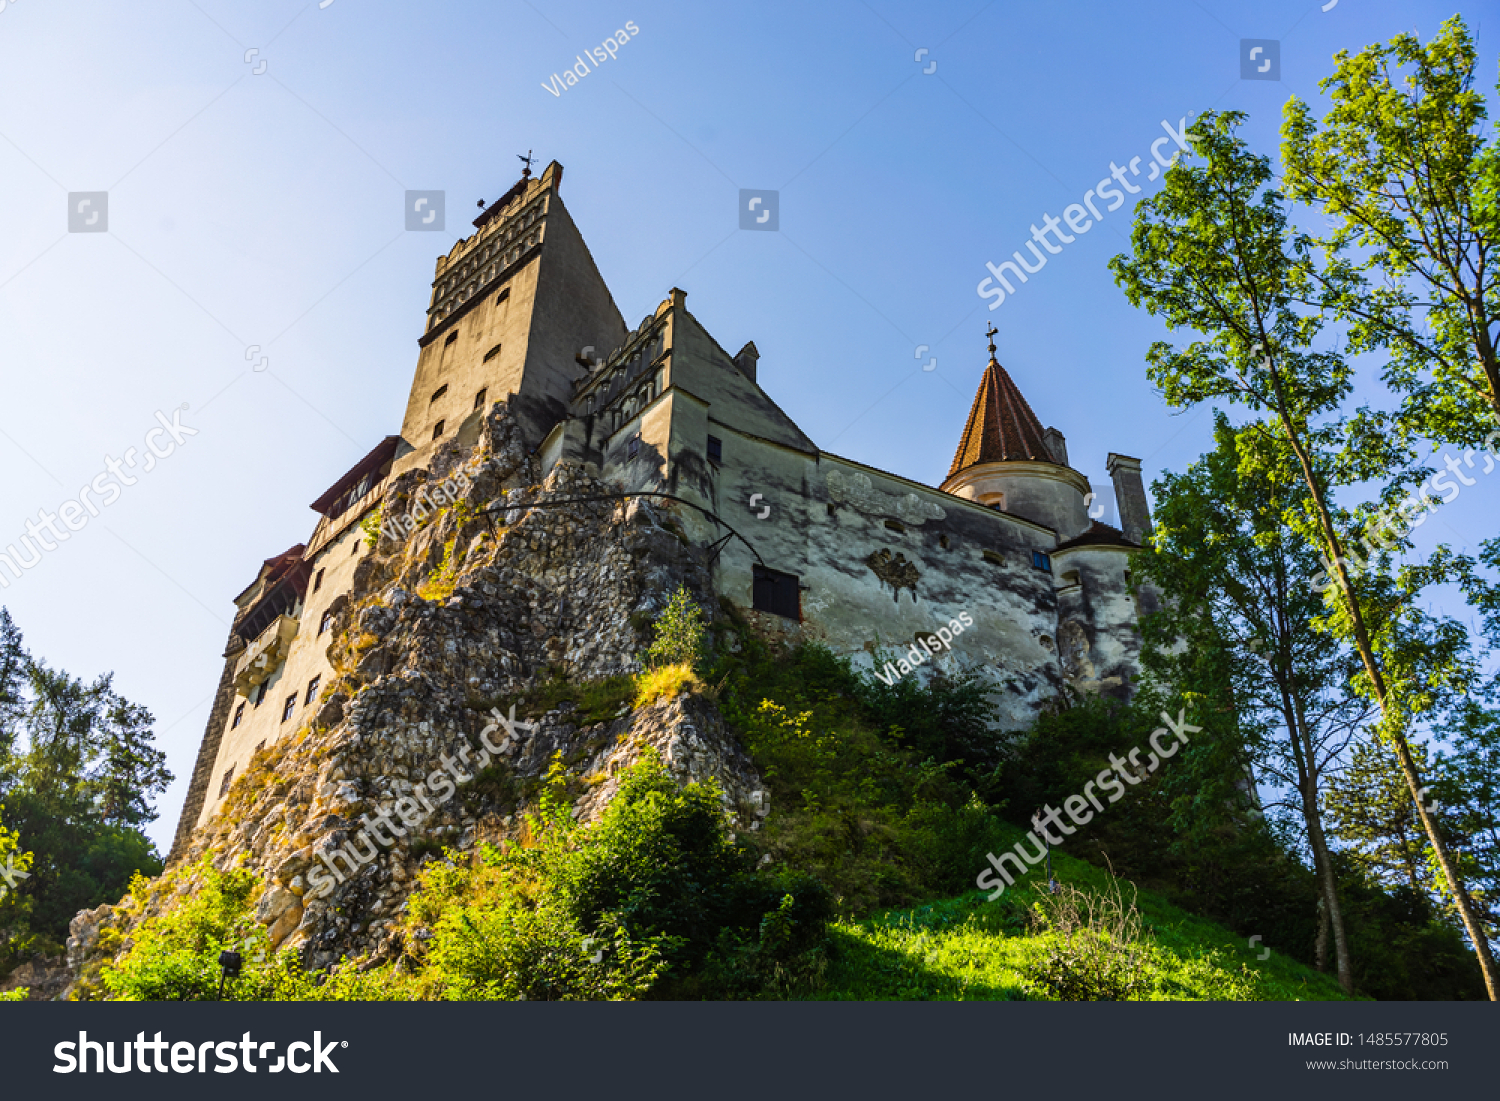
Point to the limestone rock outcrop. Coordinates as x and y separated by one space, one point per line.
447 625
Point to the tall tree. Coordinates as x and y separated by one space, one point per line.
1402 165
78 775
1468 787
1371 811
1228 565
130 768
1213 252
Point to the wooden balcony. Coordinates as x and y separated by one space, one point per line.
265 655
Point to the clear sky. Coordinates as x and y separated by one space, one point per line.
255 219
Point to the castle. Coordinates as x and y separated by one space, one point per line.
807 544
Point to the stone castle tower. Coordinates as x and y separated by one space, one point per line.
808 544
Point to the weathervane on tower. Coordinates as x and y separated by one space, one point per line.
526 160
991 334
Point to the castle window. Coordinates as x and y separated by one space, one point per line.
357 544
633 447
776 592
479 399
288 707
1041 561
260 693
499 298
994 558
326 623
451 338
437 430
492 353
318 581
943 541
896 525
439 392
715 449
224 784
312 688
239 713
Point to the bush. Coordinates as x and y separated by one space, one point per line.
664 682
654 900
494 933
1188 833
854 804
1096 953
680 633
174 955
444 579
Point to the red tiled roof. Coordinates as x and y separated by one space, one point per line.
1001 426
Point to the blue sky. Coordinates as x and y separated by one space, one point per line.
264 210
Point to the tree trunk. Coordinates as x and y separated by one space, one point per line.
1332 912
1320 947
1372 669
1328 887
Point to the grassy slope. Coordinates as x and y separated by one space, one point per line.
971 949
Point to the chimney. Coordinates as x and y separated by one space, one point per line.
1130 496
1057 446
746 358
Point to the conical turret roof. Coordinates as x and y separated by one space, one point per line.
1001 426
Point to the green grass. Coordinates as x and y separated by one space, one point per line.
970 949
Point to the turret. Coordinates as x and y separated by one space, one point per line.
1006 460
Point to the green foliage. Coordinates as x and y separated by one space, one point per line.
174 954
945 719
496 933
370 525
1095 954
1215 252
78 771
680 633
1467 788
14 907
852 805
967 948
1187 831
654 900
1402 947
443 579
1371 810
1410 189
1188 835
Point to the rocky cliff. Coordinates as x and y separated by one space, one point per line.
501 597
